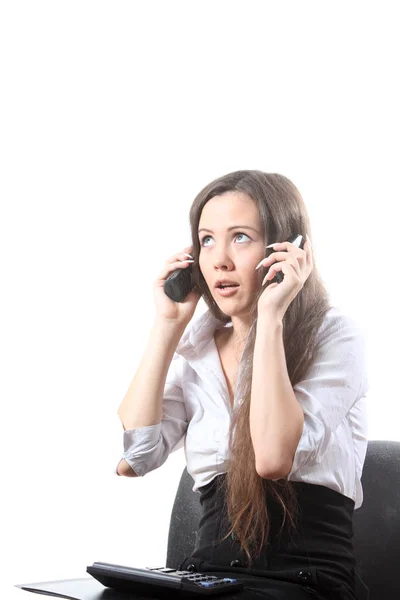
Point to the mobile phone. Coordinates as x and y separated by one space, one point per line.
297 240
180 282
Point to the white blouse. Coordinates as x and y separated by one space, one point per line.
197 410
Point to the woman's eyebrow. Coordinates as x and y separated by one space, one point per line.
230 228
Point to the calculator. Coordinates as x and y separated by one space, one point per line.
162 581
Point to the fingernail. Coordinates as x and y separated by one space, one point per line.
186 260
186 254
259 264
265 279
309 241
272 245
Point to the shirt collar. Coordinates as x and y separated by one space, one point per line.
198 335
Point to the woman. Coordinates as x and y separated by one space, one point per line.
276 448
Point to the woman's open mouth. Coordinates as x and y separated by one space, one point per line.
227 290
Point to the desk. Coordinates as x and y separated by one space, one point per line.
12 593
85 588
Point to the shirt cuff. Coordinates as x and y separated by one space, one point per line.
138 443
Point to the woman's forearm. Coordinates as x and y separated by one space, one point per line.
276 417
142 404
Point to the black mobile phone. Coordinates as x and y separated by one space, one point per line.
297 240
180 282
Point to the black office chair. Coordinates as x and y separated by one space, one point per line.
376 522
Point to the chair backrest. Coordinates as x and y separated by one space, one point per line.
376 522
184 524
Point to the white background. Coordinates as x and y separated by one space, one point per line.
114 115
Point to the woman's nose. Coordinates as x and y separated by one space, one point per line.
223 262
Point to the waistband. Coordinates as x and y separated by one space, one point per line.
320 553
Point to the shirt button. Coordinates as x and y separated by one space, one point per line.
235 563
304 576
240 401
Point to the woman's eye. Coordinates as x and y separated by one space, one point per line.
244 235
207 236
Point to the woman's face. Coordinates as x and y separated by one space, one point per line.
231 254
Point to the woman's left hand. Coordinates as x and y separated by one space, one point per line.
296 264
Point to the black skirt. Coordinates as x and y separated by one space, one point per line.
315 562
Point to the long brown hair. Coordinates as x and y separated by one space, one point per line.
282 213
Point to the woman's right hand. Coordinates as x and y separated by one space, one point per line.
178 312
